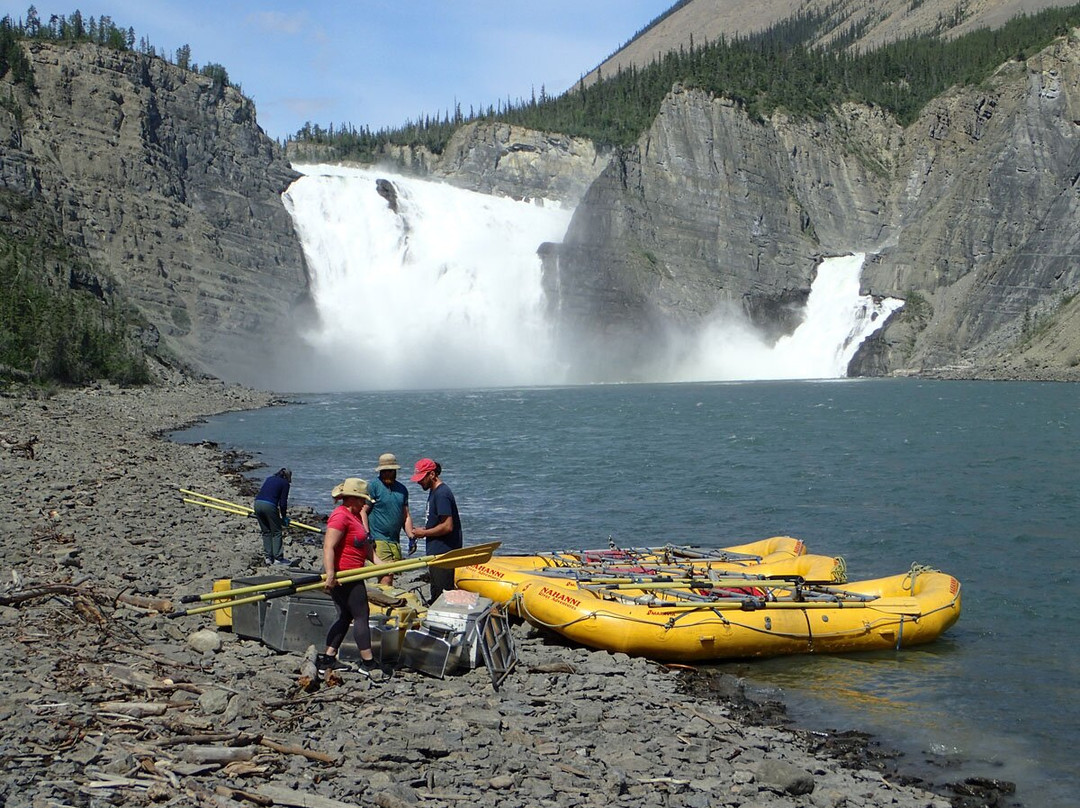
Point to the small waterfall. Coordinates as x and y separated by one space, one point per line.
836 321
422 285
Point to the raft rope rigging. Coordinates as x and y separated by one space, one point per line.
916 570
866 627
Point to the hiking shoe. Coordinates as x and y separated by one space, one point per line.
268 561
281 561
325 662
371 669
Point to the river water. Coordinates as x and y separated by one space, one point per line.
978 479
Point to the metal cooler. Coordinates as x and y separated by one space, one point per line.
448 637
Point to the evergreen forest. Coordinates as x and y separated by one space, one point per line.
776 69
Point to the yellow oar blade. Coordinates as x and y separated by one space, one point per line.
477 554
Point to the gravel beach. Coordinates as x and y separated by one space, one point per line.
105 701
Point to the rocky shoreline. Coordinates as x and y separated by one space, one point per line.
105 701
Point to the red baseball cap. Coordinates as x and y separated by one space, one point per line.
423 466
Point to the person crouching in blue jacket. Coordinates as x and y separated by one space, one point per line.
271 509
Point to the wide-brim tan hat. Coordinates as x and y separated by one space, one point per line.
387 461
352 487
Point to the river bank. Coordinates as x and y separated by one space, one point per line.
105 700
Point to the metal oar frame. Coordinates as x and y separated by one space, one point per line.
610 579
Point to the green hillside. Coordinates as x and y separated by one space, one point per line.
769 71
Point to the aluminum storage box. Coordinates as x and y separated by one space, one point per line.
301 619
431 650
462 619
295 621
448 637
248 618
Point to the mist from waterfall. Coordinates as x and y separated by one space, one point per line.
446 292
836 321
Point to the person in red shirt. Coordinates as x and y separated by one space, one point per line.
348 546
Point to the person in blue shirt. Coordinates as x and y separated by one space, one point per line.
388 514
271 511
443 527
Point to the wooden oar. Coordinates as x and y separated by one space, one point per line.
622 571
683 551
234 507
477 554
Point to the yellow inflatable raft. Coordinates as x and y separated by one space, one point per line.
747 618
500 577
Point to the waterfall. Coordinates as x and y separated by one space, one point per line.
444 292
419 284
836 321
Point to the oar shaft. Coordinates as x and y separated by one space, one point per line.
288 583
302 526
476 554
215 499
217 507
348 576
235 507
893 606
689 584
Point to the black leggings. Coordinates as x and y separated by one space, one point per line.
352 605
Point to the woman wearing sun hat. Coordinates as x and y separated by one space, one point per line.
347 546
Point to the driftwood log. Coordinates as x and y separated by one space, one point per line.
98 596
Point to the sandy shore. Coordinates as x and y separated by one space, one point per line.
106 701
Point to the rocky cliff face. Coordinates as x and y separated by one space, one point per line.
970 214
986 219
505 160
165 182
520 163
166 185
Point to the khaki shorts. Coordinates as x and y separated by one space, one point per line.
388 550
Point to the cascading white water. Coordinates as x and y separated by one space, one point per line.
836 321
446 292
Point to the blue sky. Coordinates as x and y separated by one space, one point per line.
379 62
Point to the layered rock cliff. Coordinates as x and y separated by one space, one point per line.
970 214
162 180
498 159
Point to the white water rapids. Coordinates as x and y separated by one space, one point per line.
447 293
